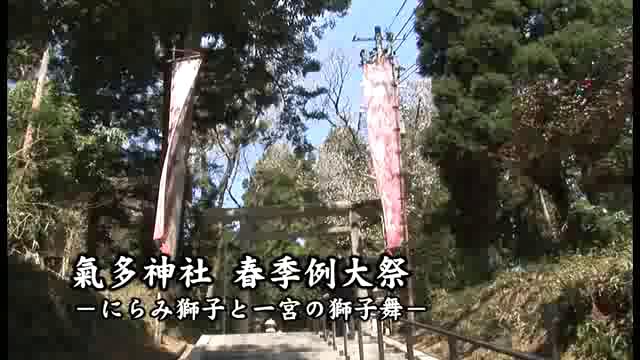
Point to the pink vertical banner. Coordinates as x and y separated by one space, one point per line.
169 207
383 128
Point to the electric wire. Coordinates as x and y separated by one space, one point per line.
407 70
397 13
402 42
405 25
406 77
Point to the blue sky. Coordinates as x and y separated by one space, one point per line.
363 16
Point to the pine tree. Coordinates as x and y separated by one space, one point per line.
467 49
484 58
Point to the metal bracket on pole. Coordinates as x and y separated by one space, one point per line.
378 37
377 52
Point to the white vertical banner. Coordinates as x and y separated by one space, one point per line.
172 180
383 129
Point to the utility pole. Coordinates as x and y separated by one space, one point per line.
411 246
365 58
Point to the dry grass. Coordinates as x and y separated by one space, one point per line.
135 289
509 310
43 323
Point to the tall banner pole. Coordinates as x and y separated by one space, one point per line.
409 296
384 139
381 97
172 181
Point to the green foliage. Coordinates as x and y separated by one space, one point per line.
467 49
601 227
96 153
609 335
64 162
28 209
472 83
284 179
111 54
483 59
605 340
125 58
535 58
62 150
21 60
437 244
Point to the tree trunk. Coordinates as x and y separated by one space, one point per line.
561 195
554 233
35 106
472 240
476 199
232 162
166 104
93 222
148 249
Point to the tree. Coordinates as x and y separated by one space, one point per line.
569 127
424 189
467 51
343 168
486 57
337 69
573 107
252 66
48 196
35 106
343 164
282 178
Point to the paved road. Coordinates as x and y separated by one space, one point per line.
278 346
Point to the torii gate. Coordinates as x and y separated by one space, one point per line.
247 235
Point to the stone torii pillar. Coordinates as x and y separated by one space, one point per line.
246 239
357 249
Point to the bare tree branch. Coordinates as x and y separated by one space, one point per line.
336 73
233 180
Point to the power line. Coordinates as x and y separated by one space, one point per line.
406 77
406 70
398 13
405 25
402 42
